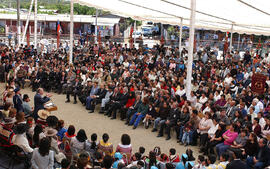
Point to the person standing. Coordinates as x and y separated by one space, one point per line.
39 101
17 100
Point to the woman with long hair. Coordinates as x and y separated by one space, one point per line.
38 134
125 147
43 157
77 143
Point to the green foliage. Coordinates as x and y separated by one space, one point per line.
61 6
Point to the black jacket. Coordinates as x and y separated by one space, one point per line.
123 99
183 118
174 115
164 113
101 93
236 164
264 155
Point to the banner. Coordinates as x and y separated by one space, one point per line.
258 83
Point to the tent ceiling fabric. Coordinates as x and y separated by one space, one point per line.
211 14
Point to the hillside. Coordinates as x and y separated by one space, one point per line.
62 6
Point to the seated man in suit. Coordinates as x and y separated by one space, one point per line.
90 98
75 87
39 101
262 159
120 103
98 97
106 99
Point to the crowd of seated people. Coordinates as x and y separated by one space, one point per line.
147 86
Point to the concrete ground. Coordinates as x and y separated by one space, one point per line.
77 115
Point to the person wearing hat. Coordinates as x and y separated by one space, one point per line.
42 116
17 100
6 132
51 134
20 138
39 101
26 107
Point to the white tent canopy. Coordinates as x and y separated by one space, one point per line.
246 16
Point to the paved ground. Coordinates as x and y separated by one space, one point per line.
96 123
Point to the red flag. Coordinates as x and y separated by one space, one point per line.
59 30
226 44
130 38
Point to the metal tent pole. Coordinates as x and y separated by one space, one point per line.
35 31
190 48
71 33
18 22
27 21
231 39
134 33
180 37
96 32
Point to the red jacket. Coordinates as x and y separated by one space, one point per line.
130 102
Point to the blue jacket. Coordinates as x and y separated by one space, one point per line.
39 103
17 100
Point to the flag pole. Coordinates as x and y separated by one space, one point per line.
71 32
190 48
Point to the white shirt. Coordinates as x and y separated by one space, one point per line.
42 162
21 141
203 100
213 130
217 97
262 122
206 109
180 92
260 104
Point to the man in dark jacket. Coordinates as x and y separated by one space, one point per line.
17 100
163 116
171 121
263 157
39 101
120 103
98 97
236 163
74 88
183 119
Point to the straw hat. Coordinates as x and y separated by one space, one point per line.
43 114
50 132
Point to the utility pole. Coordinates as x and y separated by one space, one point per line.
18 23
